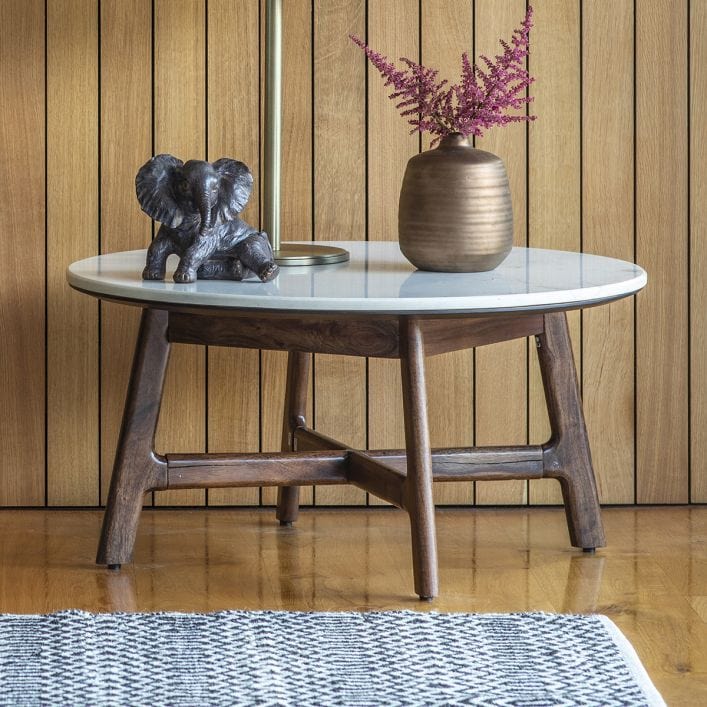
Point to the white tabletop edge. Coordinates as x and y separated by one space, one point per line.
539 301
225 297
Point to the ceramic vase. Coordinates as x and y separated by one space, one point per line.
455 212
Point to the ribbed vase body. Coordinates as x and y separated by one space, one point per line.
455 212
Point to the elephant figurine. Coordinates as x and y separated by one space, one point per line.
198 204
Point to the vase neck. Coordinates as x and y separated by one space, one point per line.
454 140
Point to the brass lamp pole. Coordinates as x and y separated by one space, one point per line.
285 253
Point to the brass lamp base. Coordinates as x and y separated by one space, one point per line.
309 254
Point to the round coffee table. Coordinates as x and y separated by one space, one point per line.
376 305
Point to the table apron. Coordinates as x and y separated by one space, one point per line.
374 336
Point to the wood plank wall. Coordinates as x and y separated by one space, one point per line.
615 164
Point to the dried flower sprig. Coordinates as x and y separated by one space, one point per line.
478 102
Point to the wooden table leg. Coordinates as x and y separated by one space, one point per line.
137 468
298 365
419 502
566 456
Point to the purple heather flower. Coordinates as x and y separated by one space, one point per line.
478 102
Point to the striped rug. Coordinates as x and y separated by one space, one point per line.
288 658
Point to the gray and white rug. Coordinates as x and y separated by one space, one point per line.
286 658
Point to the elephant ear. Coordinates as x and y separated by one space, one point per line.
236 186
154 185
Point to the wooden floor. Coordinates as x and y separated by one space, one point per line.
651 580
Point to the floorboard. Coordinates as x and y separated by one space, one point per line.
651 579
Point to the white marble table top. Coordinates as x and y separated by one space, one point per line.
378 279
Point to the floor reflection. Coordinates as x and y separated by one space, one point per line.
204 560
651 579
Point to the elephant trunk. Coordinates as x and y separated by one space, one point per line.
204 212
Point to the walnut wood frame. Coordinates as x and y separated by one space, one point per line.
401 477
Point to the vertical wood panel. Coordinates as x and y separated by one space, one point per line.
554 176
607 219
502 370
126 143
296 214
180 131
233 131
447 31
22 289
661 247
237 401
698 259
72 234
393 31
339 209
